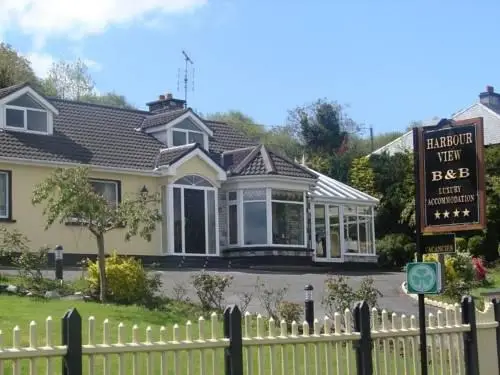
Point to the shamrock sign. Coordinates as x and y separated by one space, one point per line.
423 278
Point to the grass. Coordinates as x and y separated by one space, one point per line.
20 311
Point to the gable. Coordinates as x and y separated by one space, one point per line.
187 124
25 101
491 121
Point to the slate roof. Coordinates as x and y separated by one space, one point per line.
162 118
107 136
261 160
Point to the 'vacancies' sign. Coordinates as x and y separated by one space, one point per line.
452 174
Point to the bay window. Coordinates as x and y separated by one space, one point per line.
232 217
254 217
287 217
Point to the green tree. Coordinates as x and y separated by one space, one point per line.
111 98
14 68
361 176
69 80
67 195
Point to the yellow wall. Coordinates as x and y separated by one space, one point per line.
76 239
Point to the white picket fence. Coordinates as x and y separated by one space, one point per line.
268 348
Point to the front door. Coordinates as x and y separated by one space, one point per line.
194 221
327 244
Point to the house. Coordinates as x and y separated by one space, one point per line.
487 107
222 195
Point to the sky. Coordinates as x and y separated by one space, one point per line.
389 61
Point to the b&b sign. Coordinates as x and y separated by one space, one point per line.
452 173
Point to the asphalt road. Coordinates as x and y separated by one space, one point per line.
389 284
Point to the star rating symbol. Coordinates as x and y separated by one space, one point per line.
446 214
456 213
466 212
437 214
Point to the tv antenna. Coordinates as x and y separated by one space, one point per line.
187 63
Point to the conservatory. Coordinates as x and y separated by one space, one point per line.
342 222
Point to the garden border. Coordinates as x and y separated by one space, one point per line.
427 301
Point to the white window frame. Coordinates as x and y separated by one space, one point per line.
7 196
304 215
370 219
25 127
170 210
233 202
115 183
186 135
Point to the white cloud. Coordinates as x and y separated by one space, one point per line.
40 62
42 19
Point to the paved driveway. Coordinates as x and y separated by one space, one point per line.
388 283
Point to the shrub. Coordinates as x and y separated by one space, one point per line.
475 245
210 289
271 299
461 244
30 265
128 281
393 250
290 312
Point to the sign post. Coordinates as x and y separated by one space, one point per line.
449 196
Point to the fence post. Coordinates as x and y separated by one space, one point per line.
470 338
232 331
496 310
72 338
309 307
364 345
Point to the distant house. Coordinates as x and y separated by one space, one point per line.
222 195
487 107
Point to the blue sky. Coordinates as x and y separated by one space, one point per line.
391 61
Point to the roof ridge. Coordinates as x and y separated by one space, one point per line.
266 158
247 159
287 159
79 102
238 150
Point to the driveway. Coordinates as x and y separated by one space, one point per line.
388 283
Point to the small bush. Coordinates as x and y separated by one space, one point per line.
461 244
475 245
290 312
271 299
30 265
180 293
128 281
393 250
210 290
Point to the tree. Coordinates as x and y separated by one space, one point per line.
279 138
361 176
14 68
68 195
69 80
110 98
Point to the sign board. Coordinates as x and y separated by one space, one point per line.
423 278
451 171
443 243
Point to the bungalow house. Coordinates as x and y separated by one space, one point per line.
222 195
487 107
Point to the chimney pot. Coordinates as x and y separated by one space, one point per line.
161 97
490 89
169 96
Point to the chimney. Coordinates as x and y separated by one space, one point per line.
490 97
165 103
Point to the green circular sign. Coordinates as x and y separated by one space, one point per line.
422 277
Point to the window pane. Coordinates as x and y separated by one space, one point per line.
37 121
177 221
364 210
232 196
365 235
107 189
178 138
4 195
334 232
350 210
233 224
14 118
320 229
195 138
193 181
255 223
288 224
351 234
211 221
286 195
254 195
187 124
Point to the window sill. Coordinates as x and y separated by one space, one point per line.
7 220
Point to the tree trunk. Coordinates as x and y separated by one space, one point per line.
103 287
